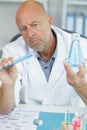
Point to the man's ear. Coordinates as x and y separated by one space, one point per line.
50 20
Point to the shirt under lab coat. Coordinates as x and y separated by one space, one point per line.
31 85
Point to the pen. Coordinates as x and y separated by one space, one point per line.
17 61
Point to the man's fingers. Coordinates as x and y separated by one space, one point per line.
5 62
68 69
82 71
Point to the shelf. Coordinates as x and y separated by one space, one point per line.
77 2
11 0
76 6
21 1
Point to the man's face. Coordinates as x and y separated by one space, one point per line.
35 29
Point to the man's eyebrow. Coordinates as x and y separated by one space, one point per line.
35 22
24 26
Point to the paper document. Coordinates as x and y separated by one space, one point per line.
18 120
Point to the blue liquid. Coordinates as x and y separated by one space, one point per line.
17 61
75 56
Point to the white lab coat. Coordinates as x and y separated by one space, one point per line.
31 86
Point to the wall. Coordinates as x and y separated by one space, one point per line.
8 26
55 8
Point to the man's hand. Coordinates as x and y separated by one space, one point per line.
7 76
77 80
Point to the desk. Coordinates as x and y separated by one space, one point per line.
23 117
50 108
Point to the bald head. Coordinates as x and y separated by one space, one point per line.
31 6
32 2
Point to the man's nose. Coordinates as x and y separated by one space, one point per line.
30 32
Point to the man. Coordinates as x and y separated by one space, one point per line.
40 79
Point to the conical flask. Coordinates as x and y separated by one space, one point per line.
75 56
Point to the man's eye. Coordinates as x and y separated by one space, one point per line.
35 25
22 29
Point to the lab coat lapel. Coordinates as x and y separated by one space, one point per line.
36 72
58 66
